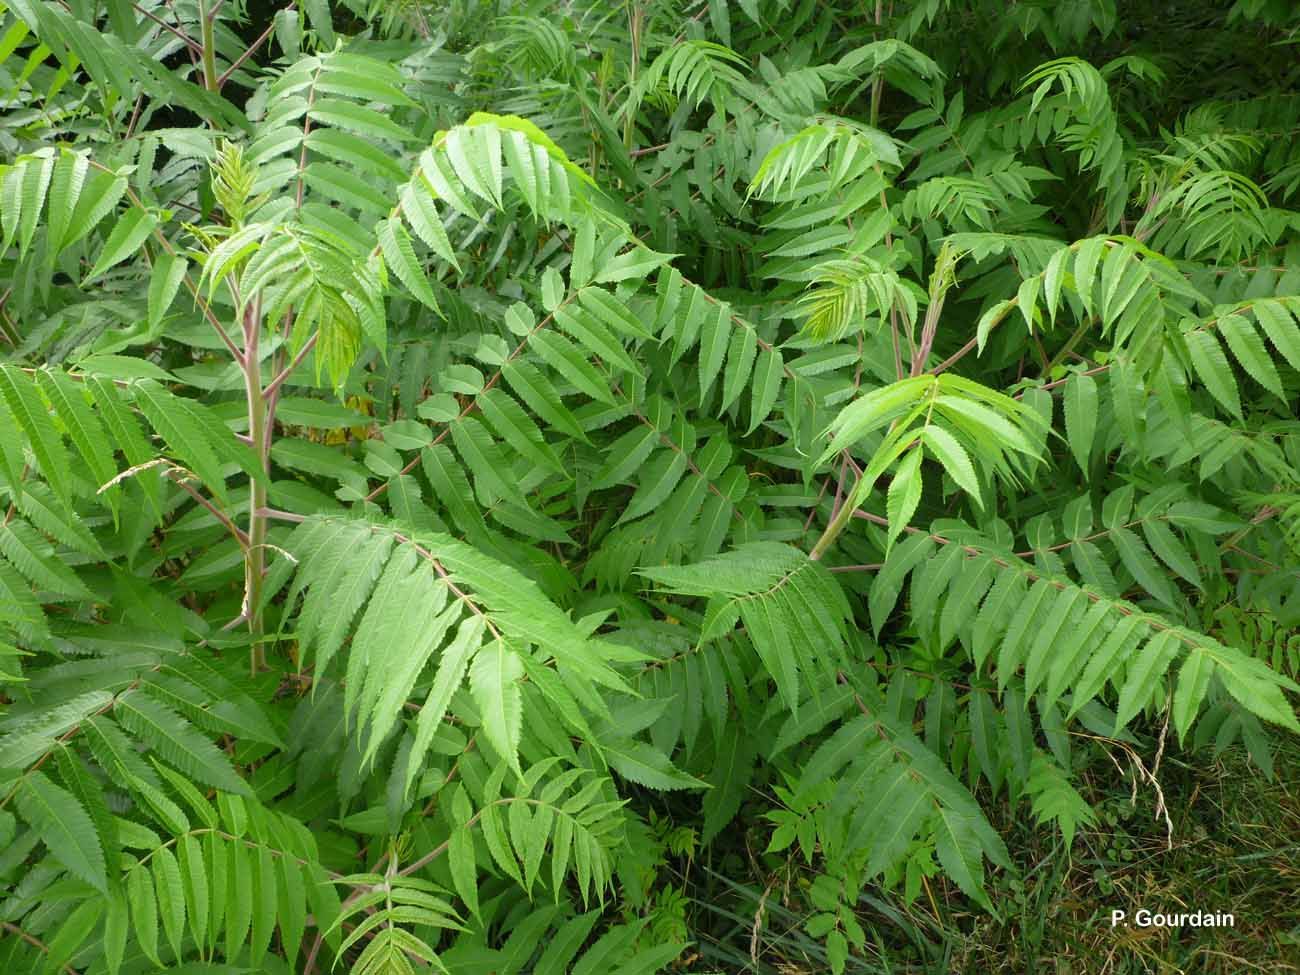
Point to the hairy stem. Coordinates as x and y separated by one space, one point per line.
635 16
260 440
1067 348
837 524
208 48
877 83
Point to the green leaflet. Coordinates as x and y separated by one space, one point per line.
657 481
168 272
1128 399
406 611
513 424
64 826
1054 636
645 765
1211 365
348 148
25 405
1144 674
73 932
793 614
958 849
29 553
69 178
965 594
126 433
1248 349
888 583
127 236
177 741
419 210
143 911
186 437
35 735
944 446
565 944
990 319
172 893
1081 403
493 676
263 905
1144 568
635 263
904 493
1254 685
584 245
400 258
1077 648
475 155
85 791
339 586
626 455
610 310
532 386
1085 270
713 346
1055 799
452 664
592 335
291 904
875 409
356 118
1275 318
35 176
1108 659
485 461
1167 546
567 359
766 386
81 423
731 775
1193 682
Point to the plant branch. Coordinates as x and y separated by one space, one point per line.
240 535
260 441
473 403
248 53
208 51
185 38
274 386
190 286
35 942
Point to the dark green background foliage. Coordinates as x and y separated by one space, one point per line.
773 486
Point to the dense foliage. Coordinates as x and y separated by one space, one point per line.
481 479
